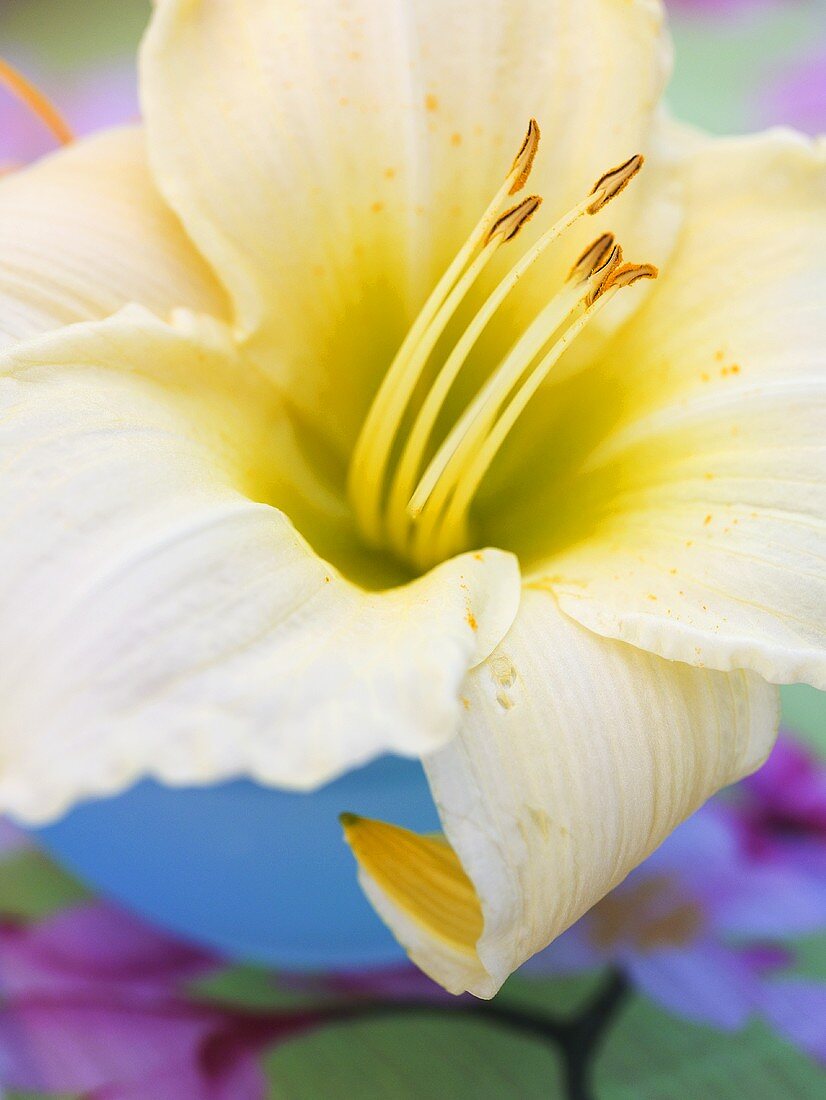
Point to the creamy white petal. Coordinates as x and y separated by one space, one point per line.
688 508
84 232
331 157
578 756
157 620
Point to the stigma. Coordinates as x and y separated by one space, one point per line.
419 506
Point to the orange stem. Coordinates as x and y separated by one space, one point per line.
36 101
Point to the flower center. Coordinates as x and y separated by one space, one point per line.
420 509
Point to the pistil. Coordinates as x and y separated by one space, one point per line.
423 515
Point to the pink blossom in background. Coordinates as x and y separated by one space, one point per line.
796 96
11 838
93 1002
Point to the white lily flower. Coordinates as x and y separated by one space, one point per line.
322 439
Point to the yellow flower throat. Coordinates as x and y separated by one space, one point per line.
420 511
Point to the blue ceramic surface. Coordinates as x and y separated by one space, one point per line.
259 874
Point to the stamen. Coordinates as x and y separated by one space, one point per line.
593 258
609 186
426 521
428 414
366 474
627 275
512 220
449 459
523 161
452 526
37 102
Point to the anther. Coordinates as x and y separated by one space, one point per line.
523 161
609 186
512 220
418 507
603 274
592 258
625 275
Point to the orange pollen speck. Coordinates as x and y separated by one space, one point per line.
36 101
431 102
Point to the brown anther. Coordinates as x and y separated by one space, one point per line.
609 186
625 275
592 258
605 272
509 224
523 160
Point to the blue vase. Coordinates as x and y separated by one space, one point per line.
259 874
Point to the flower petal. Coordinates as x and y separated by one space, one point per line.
157 620
795 1007
578 756
699 524
331 157
704 981
84 232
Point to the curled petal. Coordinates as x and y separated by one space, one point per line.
578 756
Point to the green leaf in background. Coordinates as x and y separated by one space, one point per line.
810 959
32 887
253 987
37 1096
415 1058
722 61
804 711
68 35
648 1055
560 997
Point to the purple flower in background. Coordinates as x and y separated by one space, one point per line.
93 1004
11 838
703 927
796 96
89 100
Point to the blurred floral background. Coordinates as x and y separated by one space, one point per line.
703 975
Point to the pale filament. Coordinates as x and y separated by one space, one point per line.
521 355
451 526
424 515
366 473
445 469
416 444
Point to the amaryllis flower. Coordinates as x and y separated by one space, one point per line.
706 926
343 415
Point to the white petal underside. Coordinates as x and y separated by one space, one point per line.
577 756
